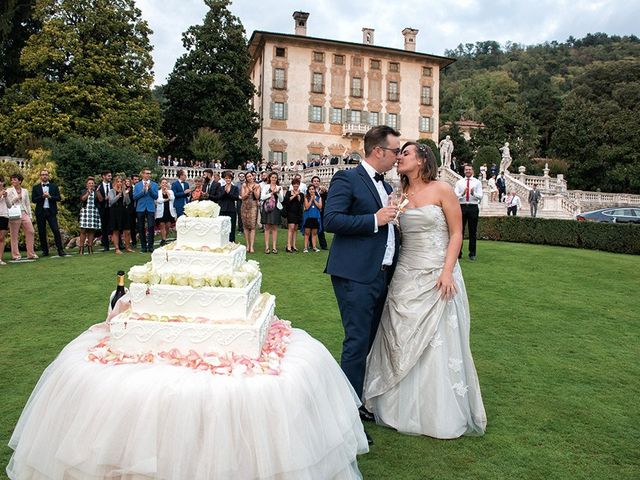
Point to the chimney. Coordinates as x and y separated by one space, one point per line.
410 38
367 36
301 22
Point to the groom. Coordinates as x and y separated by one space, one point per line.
364 247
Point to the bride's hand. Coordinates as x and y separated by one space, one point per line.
446 285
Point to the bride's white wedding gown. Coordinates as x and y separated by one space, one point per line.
420 374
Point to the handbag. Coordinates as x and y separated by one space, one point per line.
15 213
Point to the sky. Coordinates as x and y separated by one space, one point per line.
443 24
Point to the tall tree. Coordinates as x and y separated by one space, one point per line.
88 73
210 87
16 26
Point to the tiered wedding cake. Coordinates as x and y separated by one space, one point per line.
197 294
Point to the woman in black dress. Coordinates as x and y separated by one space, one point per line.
293 205
119 200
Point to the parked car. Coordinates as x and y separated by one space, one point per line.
611 215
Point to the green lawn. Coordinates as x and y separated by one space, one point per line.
555 337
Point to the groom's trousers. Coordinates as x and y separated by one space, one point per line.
360 307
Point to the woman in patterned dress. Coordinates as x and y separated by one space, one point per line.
250 195
89 216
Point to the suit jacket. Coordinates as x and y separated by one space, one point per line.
100 191
356 252
534 196
146 201
500 183
181 198
37 197
227 201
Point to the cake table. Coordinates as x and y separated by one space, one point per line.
86 420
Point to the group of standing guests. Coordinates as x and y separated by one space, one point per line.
15 213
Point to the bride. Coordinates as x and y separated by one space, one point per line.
420 374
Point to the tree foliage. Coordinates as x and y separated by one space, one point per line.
210 86
88 73
16 26
207 145
534 98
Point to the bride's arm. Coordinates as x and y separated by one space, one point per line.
453 215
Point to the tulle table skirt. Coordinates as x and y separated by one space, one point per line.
87 421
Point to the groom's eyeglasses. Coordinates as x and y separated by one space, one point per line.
396 151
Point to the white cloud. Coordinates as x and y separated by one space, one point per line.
442 24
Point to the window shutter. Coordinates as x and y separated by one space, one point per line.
286 111
270 156
347 116
323 114
364 118
398 122
310 113
271 110
284 158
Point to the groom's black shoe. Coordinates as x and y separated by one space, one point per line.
366 415
369 439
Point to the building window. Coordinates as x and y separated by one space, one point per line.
356 87
279 82
392 120
280 52
338 59
355 116
394 67
277 157
375 64
278 111
318 57
317 85
374 119
425 124
425 95
316 114
336 115
357 61
427 71
392 92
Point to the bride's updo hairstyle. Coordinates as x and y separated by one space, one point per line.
429 167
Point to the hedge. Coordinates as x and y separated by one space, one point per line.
609 237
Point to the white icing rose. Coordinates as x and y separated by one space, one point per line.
198 278
181 278
166 275
240 279
251 267
225 280
153 278
138 274
208 209
212 279
190 209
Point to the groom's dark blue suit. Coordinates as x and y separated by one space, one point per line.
355 264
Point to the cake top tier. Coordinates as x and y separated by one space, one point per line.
202 227
202 209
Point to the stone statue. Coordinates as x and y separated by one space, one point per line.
505 163
446 149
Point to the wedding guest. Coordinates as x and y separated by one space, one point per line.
469 193
131 209
119 200
311 218
227 201
271 197
46 196
250 196
181 191
102 192
239 185
197 193
207 184
501 183
89 216
145 193
534 199
513 203
18 196
4 217
303 186
323 195
165 210
293 205
493 189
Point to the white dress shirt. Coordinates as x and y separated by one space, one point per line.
513 201
384 198
475 186
45 189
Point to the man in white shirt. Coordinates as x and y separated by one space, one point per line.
513 203
469 193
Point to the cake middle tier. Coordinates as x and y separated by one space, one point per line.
215 262
221 303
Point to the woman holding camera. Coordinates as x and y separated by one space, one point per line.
89 216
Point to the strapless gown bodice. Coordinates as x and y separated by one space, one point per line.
425 237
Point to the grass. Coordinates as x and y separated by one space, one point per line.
555 338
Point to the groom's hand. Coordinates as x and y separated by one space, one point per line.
386 215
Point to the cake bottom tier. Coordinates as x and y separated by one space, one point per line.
142 336
85 420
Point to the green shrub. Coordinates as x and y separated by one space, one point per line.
609 237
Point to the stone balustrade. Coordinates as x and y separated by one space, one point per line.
355 129
21 162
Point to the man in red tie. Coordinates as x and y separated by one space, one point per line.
469 193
